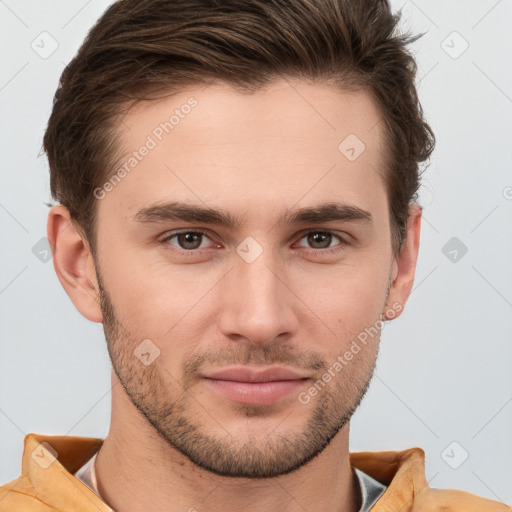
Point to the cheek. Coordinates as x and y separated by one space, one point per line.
149 294
339 305
355 288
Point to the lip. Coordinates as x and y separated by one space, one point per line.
245 374
255 387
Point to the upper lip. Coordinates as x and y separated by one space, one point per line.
244 374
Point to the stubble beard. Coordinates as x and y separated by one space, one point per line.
167 405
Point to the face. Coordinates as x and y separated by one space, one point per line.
246 240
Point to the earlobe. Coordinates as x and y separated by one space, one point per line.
73 263
404 267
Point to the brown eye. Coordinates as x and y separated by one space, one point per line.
186 240
189 240
319 240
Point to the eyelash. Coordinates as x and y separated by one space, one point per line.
194 252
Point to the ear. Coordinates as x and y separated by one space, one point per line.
73 263
404 266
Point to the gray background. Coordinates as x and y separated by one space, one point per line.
443 380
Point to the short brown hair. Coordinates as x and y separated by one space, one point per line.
142 47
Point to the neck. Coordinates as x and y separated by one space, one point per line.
137 470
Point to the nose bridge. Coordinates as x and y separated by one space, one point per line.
261 282
257 304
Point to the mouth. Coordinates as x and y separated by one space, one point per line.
255 387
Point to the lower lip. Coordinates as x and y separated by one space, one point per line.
256 393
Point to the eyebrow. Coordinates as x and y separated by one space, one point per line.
197 213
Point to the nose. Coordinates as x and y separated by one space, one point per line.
258 304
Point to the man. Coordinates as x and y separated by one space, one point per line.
237 185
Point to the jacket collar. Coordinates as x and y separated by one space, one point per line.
50 462
55 459
402 471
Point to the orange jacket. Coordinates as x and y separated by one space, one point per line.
47 483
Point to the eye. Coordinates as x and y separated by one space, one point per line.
321 240
187 240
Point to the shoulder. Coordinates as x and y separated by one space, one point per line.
407 488
18 496
451 500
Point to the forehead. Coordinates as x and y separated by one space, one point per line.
289 142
